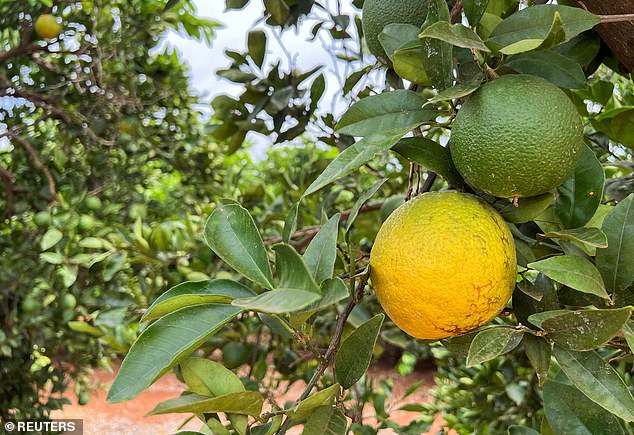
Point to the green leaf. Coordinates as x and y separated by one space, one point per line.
628 333
321 254
617 124
256 43
334 290
586 235
569 411
246 403
538 318
538 352
474 9
279 301
363 198
50 239
597 380
326 420
352 158
556 35
535 22
292 273
521 46
278 9
394 36
586 329
491 343
527 209
455 34
209 378
84 327
580 195
438 55
616 262
573 271
52 257
391 113
408 63
231 233
355 353
68 273
458 91
218 291
431 155
324 397
290 224
164 344
550 65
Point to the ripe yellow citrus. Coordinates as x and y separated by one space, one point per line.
47 27
443 264
518 135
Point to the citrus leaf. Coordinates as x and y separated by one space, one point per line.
588 236
355 353
218 291
556 35
50 239
390 113
569 411
333 289
586 329
209 378
538 318
231 233
617 124
290 223
363 198
256 44
521 430
86 328
538 352
535 23
278 301
431 155
164 344
580 195
394 36
526 209
246 403
628 333
616 262
292 273
474 9
491 343
573 271
408 63
597 380
437 55
52 257
324 397
326 420
321 254
550 65
455 34
352 158
458 91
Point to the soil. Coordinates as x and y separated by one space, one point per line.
101 418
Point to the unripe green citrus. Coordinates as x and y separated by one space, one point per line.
516 136
379 13
234 354
42 219
47 27
93 203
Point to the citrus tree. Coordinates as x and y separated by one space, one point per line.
519 116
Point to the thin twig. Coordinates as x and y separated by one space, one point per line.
617 18
456 12
38 163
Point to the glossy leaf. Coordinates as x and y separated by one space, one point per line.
535 23
491 343
616 262
292 273
550 65
394 36
438 55
569 411
231 233
352 158
356 350
363 198
538 352
290 223
390 113
458 91
246 403
527 209
326 420
218 291
573 271
431 155
279 301
454 34
324 397
597 380
164 344
587 235
585 329
321 254
617 124
50 239
474 9
256 44
408 63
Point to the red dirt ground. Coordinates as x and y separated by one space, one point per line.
128 417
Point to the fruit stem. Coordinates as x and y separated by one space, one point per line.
515 201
